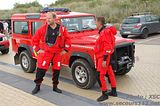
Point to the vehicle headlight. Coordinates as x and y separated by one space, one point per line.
5 38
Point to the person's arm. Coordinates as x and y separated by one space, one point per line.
107 50
36 40
67 41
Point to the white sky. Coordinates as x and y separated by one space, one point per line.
8 4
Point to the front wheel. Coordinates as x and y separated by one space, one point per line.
82 73
28 64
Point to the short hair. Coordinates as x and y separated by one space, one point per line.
52 13
101 20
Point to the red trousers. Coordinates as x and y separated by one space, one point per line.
43 63
44 60
102 74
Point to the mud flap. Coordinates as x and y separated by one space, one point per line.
16 59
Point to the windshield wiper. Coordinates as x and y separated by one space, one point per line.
88 27
74 30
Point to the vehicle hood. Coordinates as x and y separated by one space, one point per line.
91 39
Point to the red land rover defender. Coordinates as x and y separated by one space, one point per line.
83 32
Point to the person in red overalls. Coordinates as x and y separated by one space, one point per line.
50 41
104 48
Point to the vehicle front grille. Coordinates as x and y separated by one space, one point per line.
123 55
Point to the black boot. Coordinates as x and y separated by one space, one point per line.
113 92
57 89
103 97
38 80
36 89
55 78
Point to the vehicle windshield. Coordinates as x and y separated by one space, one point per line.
131 20
79 24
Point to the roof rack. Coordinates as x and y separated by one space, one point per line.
144 13
47 9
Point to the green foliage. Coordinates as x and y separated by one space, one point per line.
21 8
114 10
27 5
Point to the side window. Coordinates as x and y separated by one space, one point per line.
148 19
35 26
155 18
21 27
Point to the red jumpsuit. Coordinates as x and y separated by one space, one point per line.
105 46
51 53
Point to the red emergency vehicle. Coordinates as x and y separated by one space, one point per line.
83 33
4 44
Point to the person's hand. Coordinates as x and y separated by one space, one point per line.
104 64
63 52
40 51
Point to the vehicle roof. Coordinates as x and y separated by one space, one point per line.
43 15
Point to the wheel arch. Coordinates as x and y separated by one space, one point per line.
144 28
21 48
78 55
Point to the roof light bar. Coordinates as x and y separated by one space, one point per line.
46 9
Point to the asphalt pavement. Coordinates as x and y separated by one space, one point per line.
141 86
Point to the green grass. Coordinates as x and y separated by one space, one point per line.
113 10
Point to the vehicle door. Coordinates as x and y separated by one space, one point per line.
156 23
149 24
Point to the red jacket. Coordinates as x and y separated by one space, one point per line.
106 42
62 42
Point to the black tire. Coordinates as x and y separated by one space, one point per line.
81 64
5 51
124 36
145 33
123 72
30 68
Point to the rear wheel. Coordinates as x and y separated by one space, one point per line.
124 36
82 73
144 34
5 51
28 64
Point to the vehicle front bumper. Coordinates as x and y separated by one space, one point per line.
131 32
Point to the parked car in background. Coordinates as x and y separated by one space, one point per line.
141 24
4 44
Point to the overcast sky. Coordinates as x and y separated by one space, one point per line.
8 4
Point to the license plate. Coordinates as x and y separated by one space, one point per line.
127 32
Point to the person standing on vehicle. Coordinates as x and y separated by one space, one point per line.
104 48
51 42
